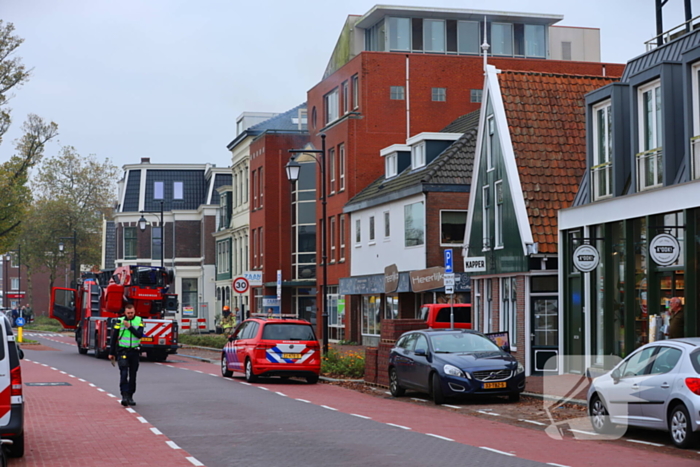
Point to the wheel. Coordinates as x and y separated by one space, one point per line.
600 418
156 355
312 379
394 386
436 388
249 375
79 343
681 429
514 397
16 449
225 372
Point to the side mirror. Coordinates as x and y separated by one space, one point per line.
420 353
20 353
615 375
505 348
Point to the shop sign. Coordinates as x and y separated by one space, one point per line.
586 258
427 279
391 279
475 264
664 249
254 277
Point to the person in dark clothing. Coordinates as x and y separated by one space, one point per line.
675 326
124 347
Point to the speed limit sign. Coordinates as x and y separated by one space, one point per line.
240 285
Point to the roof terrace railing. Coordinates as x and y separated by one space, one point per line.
672 34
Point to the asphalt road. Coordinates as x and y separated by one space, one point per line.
226 421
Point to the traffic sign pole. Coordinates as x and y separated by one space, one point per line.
449 282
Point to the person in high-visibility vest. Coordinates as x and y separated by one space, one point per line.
125 348
228 321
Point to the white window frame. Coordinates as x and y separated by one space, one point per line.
331 167
14 283
332 239
695 140
649 156
346 97
331 106
358 232
390 165
159 189
341 167
418 155
371 230
498 206
355 92
508 316
341 231
602 163
490 135
397 93
485 225
438 94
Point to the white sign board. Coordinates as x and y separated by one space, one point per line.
475 264
586 258
448 279
279 284
254 277
664 249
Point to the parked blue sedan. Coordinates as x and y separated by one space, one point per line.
444 362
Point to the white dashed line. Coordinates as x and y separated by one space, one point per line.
141 419
557 465
92 385
451 406
63 373
172 444
156 431
497 451
81 380
439 437
489 413
398 426
100 389
130 410
303 400
54 369
71 376
645 442
247 384
281 394
329 408
418 400
44 364
197 371
361 416
591 433
213 374
111 395
194 461
532 421
263 388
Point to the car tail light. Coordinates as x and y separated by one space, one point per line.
16 381
693 384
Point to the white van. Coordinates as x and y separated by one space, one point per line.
11 398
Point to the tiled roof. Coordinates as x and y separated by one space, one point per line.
546 120
463 124
452 167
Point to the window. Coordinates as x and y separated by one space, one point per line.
475 95
332 238
355 92
396 93
502 39
602 151
534 40
508 308
695 140
387 224
158 190
650 158
331 168
254 245
566 50
178 190
331 104
255 189
452 227
223 257
261 186
637 364
665 360
129 242
341 228
413 224
375 37
262 243
341 167
346 98
439 94
468 37
499 213
485 219
358 231
433 35
418 155
14 283
156 242
399 34
390 165
371 311
371 229
490 140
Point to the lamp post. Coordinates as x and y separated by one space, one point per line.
74 263
8 258
142 227
293 168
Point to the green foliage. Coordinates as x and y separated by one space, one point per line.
44 323
215 341
344 342
344 365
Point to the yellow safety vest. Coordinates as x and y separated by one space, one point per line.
127 339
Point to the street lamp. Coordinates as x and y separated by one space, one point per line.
293 168
73 266
142 227
8 258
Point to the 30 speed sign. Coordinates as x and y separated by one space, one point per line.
240 285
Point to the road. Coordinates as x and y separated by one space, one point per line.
226 421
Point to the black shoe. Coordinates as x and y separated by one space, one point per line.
125 399
130 400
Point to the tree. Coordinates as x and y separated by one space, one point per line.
12 72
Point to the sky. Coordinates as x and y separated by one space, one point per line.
166 79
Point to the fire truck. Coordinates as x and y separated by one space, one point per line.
93 308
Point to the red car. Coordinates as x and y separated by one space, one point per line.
262 347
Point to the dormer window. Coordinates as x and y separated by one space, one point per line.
601 172
158 190
650 158
695 140
418 156
391 164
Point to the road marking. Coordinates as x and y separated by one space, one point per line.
361 416
399 426
100 389
329 408
92 385
197 371
172 444
418 400
130 410
81 380
247 384
489 413
497 451
141 419
71 376
532 421
111 395
645 442
303 400
194 461
44 364
156 431
439 437
212 374
63 373
281 394
54 369
263 388
592 433
451 406
557 465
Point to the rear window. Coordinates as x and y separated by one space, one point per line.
288 332
695 360
462 315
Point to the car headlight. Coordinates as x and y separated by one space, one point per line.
454 371
520 369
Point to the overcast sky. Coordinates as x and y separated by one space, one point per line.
166 79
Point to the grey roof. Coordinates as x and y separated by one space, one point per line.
670 52
449 171
281 122
220 179
463 124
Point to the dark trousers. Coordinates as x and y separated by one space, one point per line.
128 361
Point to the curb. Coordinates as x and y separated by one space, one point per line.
563 400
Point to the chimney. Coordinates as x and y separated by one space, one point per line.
145 160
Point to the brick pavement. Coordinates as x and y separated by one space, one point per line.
84 426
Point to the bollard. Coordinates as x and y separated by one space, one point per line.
19 334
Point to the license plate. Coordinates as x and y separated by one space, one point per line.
495 385
146 339
291 356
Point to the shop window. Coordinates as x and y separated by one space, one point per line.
189 296
391 307
452 227
371 309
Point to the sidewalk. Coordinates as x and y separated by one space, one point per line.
80 425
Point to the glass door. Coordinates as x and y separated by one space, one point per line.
545 334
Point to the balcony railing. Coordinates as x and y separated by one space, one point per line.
671 34
695 157
601 176
650 169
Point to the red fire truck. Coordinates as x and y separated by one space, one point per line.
99 300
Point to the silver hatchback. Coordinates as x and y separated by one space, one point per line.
657 386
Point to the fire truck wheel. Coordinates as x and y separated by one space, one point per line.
79 343
249 375
225 372
81 350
